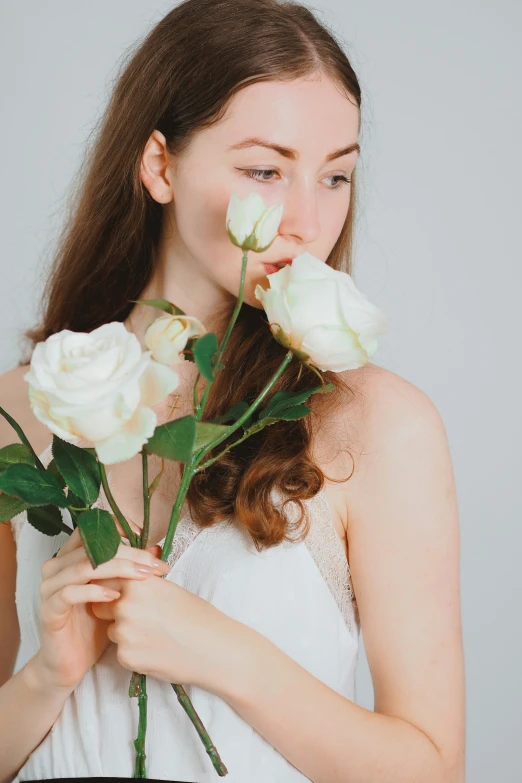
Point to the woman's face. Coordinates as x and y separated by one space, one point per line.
310 117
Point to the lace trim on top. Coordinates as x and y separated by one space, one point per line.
327 550
322 541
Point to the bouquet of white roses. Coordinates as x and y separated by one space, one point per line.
101 386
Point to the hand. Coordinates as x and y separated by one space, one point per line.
72 637
168 632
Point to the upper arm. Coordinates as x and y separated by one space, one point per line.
404 544
9 627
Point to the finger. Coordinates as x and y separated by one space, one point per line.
104 610
146 556
133 526
73 542
60 603
124 566
116 583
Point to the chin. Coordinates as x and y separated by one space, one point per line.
252 300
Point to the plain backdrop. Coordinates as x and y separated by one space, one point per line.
437 249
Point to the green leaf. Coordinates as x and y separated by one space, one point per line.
45 519
10 507
14 454
207 432
77 502
296 412
80 469
161 304
204 349
174 440
36 487
99 534
53 470
14 424
233 414
282 400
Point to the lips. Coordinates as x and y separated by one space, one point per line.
271 268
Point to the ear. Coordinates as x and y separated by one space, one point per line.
154 169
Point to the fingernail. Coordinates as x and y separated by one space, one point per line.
144 569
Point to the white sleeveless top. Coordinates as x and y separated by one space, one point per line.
298 595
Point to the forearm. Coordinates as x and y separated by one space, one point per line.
28 710
326 736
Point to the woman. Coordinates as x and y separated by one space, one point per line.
240 95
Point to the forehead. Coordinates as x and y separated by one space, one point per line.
310 115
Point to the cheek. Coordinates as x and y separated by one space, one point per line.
334 219
200 214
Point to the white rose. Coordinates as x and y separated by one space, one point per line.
168 335
98 386
251 225
318 311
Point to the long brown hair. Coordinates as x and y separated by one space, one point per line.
180 80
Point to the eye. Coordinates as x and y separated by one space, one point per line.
252 173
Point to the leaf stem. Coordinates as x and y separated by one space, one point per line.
146 500
259 399
23 437
201 406
123 522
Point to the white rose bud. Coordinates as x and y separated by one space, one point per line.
251 225
168 335
319 313
98 386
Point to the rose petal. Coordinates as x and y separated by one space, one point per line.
157 382
129 440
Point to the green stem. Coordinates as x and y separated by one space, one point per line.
123 522
188 472
196 720
139 743
201 407
209 462
23 437
244 416
146 500
182 695
195 392
137 682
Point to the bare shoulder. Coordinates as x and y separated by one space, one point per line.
385 409
377 407
14 399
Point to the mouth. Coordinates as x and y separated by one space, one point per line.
276 265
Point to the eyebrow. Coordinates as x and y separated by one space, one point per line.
287 152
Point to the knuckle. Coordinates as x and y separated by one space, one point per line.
45 568
66 593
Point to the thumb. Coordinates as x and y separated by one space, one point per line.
155 549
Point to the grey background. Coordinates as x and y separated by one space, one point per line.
437 248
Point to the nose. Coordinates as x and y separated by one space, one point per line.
300 214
